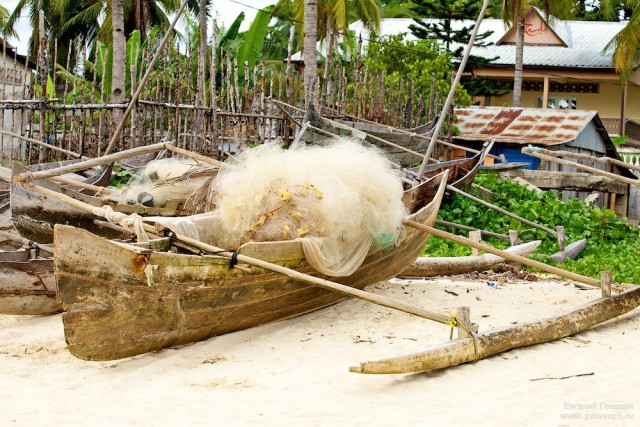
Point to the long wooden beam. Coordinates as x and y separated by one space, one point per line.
602 160
456 80
502 211
504 254
536 152
456 352
577 181
90 163
43 144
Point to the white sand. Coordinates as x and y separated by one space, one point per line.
296 372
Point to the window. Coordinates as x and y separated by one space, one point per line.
563 102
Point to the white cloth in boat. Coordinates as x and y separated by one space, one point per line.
330 256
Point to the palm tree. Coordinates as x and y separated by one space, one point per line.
336 14
626 45
515 11
67 20
309 52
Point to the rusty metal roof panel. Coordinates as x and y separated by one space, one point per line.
538 126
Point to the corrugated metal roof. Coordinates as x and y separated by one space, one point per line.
522 125
585 41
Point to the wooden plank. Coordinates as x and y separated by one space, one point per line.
577 181
535 152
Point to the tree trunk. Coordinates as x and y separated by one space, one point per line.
309 52
118 72
202 52
517 75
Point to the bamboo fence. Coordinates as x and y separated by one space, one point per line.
236 111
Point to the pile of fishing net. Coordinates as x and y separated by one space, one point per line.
171 180
341 200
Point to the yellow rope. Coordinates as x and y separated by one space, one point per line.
453 322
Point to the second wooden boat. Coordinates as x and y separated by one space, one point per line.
27 283
34 215
441 266
121 300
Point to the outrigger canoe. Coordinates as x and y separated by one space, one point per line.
34 215
121 300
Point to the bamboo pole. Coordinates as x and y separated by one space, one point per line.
467 228
537 152
43 144
79 184
195 156
459 351
502 211
601 160
26 242
89 163
512 257
144 79
448 102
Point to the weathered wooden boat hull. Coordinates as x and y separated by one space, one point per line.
120 300
441 266
408 141
462 172
27 284
34 214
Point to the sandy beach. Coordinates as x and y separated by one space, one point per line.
295 372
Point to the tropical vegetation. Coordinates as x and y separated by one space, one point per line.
611 243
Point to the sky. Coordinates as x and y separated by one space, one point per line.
225 11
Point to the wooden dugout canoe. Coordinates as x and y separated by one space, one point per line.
27 283
462 172
440 266
121 300
411 142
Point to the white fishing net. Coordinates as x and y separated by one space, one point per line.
341 200
166 180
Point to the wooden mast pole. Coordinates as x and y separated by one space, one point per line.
456 80
144 80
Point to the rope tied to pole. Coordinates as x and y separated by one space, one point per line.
453 322
133 223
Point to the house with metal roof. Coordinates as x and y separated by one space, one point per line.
564 65
576 131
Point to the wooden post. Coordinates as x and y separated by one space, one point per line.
463 316
513 237
545 93
605 283
42 66
561 237
476 236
